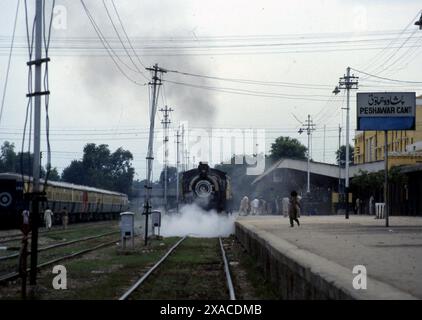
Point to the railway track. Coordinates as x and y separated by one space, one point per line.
143 279
14 275
18 236
61 244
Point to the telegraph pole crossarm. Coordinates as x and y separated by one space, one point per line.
165 122
308 126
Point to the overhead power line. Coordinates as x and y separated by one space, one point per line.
122 43
251 92
108 47
8 62
387 79
258 82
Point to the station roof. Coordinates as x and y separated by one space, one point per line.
320 168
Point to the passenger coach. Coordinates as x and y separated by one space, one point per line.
83 203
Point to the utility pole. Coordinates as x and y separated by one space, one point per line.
309 126
339 161
386 194
36 190
347 82
183 149
323 154
166 121
155 83
187 159
177 169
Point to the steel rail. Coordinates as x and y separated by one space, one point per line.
55 230
227 271
150 271
61 244
14 275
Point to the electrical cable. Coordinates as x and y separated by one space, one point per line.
388 79
109 49
249 92
120 39
8 62
378 56
126 35
30 46
248 81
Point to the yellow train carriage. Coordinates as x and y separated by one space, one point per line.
82 203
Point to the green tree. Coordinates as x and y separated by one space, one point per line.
7 157
102 169
286 147
24 164
74 173
341 155
121 170
365 184
53 175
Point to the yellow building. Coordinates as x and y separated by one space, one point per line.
404 147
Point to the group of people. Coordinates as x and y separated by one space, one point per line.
254 207
360 206
260 207
48 218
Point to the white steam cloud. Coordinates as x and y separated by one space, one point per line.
196 222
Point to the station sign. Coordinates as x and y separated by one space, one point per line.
382 111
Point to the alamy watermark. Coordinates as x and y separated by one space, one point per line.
360 279
60 281
214 146
59 21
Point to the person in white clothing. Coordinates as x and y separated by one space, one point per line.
244 206
255 206
48 218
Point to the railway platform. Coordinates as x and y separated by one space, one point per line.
316 260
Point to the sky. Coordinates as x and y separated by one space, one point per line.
286 58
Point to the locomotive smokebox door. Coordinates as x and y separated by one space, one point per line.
156 220
127 228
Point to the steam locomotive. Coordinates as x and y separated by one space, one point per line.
82 203
208 188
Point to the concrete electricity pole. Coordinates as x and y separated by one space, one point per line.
177 168
155 83
323 154
309 127
347 82
339 161
36 190
183 149
166 121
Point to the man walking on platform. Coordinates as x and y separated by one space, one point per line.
294 207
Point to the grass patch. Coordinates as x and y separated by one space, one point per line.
104 274
193 271
248 278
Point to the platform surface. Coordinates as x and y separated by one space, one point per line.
391 255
